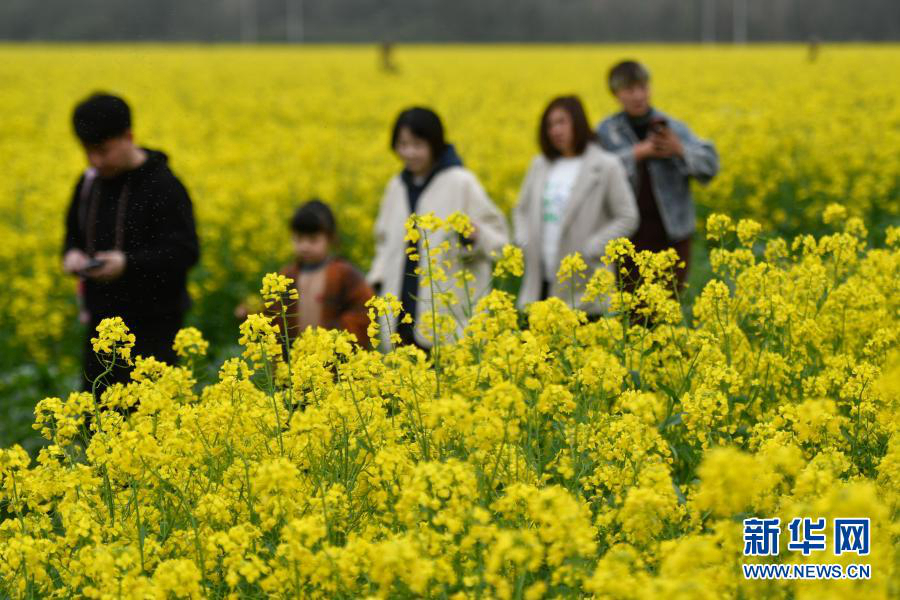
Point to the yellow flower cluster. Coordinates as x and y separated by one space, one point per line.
565 457
315 121
277 288
511 262
113 341
260 340
189 342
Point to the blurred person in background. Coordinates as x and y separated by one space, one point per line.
433 180
661 156
575 198
130 236
331 292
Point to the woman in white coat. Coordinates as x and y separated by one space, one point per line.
433 180
575 198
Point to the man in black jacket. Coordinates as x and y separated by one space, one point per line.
130 236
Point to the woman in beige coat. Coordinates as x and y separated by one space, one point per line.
433 181
576 198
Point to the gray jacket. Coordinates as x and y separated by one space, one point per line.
669 176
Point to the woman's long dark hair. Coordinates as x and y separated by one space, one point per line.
580 127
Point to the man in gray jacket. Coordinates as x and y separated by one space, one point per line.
660 155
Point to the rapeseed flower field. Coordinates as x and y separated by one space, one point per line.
536 455
552 459
255 131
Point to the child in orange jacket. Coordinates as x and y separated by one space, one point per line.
332 292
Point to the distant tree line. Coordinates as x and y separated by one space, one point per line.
451 20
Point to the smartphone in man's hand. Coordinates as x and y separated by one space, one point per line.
665 141
659 125
92 264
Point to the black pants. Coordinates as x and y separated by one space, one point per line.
154 335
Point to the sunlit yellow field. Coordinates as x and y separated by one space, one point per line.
559 460
538 455
254 131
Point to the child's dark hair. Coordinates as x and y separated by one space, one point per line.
314 217
101 117
626 74
424 123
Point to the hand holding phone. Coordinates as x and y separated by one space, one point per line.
659 125
666 143
91 265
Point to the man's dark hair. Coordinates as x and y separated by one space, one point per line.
626 74
101 117
314 217
423 123
580 127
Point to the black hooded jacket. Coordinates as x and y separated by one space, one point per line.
147 214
